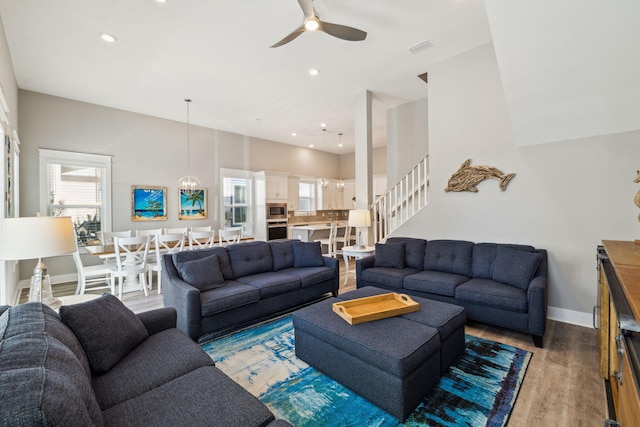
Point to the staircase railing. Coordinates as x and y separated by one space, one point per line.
401 201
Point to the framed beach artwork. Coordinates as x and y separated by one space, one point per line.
148 203
193 204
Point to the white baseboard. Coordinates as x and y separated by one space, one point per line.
570 316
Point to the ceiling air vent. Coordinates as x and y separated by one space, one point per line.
417 48
423 76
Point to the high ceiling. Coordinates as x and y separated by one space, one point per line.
217 53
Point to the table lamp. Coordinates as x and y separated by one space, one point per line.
359 218
36 238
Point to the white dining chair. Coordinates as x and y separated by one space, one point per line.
150 232
202 228
201 239
344 240
106 238
131 261
93 276
168 243
230 235
174 230
330 241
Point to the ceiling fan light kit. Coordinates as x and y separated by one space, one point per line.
312 22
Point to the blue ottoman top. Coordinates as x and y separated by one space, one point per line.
395 345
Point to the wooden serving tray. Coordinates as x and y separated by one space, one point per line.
374 308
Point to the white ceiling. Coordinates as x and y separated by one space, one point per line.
217 53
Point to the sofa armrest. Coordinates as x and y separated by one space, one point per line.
333 264
159 319
185 298
363 264
4 308
537 303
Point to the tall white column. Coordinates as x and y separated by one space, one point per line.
363 155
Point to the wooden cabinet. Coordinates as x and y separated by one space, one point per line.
618 312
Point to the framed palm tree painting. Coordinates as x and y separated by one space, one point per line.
193 204
148 203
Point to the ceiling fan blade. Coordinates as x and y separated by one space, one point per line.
343 32
290 37
307 8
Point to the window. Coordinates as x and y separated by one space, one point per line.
306 194
236 196
77 185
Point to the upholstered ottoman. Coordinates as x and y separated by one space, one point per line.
448 319
391 362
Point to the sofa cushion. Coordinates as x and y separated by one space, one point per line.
449 256
232 295
223 258
219 401
310 276
389 255
389 277
307 254
515 267
413 251
282 253
158 360
250 258
434 282
484 256
42 381
106 328
492 294
203 273
271 284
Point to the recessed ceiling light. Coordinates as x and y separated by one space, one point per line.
294 134
314 72
323 125
310 145
162 1
109 38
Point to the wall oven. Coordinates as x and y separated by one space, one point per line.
276 230
276 211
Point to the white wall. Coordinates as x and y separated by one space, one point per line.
407 137
146 151
8 275
566 197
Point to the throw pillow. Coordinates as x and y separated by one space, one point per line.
307 254
389 255
514 267
106 329
204 273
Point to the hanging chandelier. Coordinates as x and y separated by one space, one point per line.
188 184
325 182
340 183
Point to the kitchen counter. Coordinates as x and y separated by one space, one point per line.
312 231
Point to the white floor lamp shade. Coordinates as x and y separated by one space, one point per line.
37 238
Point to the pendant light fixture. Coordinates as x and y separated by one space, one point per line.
340 183
188 184
325 181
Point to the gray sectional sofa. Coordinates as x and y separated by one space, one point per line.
218 289
499 284
99 364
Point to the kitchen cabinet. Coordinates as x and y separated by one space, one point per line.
618 312
326 195
348 194
276 185
293 203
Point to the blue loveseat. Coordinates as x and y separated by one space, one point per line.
218 289
499 284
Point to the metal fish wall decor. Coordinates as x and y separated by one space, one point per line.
468 177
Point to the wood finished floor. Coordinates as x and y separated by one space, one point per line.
561 388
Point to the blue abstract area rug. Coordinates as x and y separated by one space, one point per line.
479 390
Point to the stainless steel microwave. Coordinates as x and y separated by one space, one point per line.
276 210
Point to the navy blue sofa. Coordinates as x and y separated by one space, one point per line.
222 288
499 284
99 364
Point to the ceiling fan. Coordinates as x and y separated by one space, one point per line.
312 22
